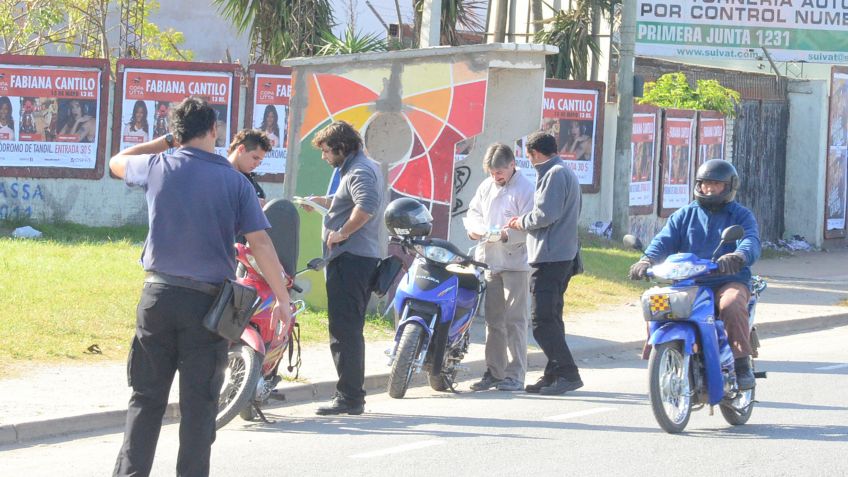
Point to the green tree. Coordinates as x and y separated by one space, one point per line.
280 29
457 15
351 42
571 31
30 27
672 90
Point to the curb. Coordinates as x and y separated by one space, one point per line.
21 433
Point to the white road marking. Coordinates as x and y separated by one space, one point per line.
833 366
585 412
398 449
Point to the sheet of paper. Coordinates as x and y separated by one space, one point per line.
304 201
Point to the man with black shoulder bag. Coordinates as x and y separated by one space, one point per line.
197 203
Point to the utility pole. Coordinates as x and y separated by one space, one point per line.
431 23
624 125
500 20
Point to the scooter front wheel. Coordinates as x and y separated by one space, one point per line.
670 386
410 345
244 366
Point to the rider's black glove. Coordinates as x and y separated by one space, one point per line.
639 270
731 264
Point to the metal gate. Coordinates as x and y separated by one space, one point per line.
759 154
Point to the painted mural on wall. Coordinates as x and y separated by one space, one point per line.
20 200
418 113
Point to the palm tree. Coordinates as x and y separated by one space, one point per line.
467 15
573 33
351 42
280 29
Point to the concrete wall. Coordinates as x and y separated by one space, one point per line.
103 202
806 160
479 93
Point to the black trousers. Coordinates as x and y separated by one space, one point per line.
548 284
169 337
348 290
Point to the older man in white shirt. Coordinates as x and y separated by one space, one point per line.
505 193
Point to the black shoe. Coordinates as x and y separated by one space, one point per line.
561 386
340 405
535 388
488 382
744 374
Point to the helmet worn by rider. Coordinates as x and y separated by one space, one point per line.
408 217
716 170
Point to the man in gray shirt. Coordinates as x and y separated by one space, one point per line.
552 247
351 246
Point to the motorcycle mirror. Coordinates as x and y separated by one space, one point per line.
316 264
631 241
732 233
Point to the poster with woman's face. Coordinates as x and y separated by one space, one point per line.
571 116
837 169
271 96
677 160
150 94
49 116
642 144
836 195
710 139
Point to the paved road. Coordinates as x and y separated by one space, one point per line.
800 427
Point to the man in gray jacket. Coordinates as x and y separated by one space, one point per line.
352 250
552 248
504 194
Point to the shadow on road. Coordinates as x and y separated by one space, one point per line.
776 432
425 425
802 367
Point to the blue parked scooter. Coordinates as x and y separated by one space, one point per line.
435 301
691 363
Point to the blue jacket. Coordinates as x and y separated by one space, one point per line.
695 230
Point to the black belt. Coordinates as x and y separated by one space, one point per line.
165 279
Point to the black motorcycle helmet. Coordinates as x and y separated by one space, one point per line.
408 217
720 171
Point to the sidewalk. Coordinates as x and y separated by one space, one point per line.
804 293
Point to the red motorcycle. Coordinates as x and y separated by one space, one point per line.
253 363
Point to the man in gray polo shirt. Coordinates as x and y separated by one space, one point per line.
196 203
552 247
351 246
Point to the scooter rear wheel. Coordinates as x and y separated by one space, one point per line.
244 367
738 410
408 349
669 387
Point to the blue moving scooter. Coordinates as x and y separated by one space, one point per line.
691 363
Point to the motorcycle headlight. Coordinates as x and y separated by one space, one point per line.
677 270
438 254
668 303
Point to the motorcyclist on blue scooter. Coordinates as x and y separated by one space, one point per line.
696 228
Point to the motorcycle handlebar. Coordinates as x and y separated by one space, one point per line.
448 246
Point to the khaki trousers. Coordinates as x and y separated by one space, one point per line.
507 316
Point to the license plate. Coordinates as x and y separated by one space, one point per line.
659 304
